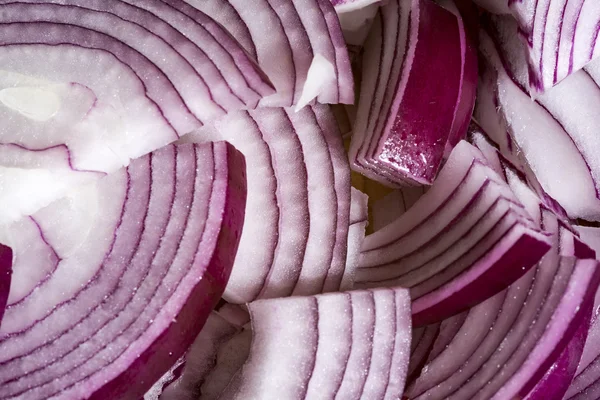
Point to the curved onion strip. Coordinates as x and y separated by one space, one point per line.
6 261
559 376
285 37
134 284
549 125
421 345
199 361
403 121
528 327
463 241
303 226
98 89
359 342
561 37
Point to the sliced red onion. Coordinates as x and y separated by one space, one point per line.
198 362
349 345
342 6
135 280
562 37
6 261
517 343
404 121
286 37
86 86
463 241
298 202
553 124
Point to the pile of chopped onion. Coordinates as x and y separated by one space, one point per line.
299 199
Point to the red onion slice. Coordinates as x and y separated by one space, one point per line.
302 226
561 37
403 121
463 241
286 37
353 358
529 130
527 328
134 283
101 84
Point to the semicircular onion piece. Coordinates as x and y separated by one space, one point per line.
462 242
135 280
295 236
561 37
552 124
507 346
287 38
351 345
6 261
403 120
86 86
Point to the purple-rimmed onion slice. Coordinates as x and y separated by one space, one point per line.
127 288
527 131
86 86
404 121
524 341
463 241
289 38
298 202
351 345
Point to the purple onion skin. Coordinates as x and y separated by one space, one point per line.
527 251
555 383
174 341
6 257
419 130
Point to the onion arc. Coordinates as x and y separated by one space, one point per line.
289 39
404 122
527 131
130 283
351 345
463 241
298 202
87 86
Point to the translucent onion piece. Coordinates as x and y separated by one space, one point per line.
285 37
112 81
298 202
524 341
463 241
349 345
134 282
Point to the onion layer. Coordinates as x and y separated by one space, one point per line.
527 131
351 345
404 122
131 284
298 202
286 37
463 241
86 86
